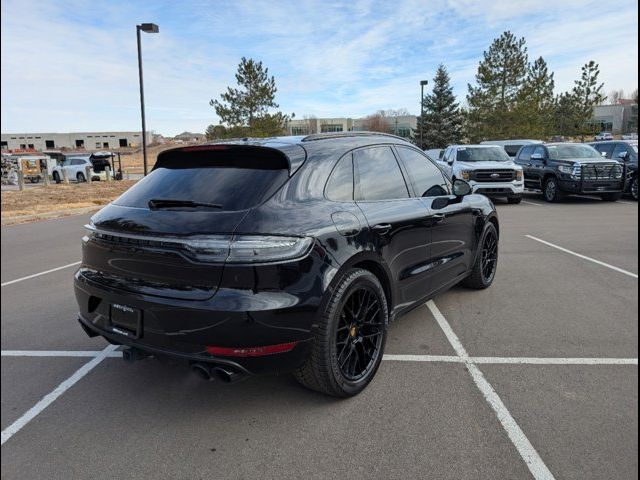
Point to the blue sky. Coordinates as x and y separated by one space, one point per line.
71 65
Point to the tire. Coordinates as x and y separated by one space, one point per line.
56 177
480 277
634 188
80 177
514 200
342 338
551 191
611 197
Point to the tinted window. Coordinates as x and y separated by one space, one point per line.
620 148
236 185
525 154
512 150
426 178
378 175
606 148
340 185
539 151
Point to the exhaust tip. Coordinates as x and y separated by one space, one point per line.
202 371
226 375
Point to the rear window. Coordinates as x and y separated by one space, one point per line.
236 179
512 150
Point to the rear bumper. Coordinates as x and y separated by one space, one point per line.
182 329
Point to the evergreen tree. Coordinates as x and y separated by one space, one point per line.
442 122
245 110
500 77
536 102
587 93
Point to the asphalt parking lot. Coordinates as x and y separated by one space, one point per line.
536 377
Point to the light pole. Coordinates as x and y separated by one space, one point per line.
422 85
147 28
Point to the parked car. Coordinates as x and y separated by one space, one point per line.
630 136
487 168
627 153
511 146
604 136
278 255
560 169
76 169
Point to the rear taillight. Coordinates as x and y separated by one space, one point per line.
251 351
218 248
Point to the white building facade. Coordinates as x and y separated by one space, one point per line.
73 141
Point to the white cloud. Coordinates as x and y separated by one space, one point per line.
72 65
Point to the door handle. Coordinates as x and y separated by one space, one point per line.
438 218
382 228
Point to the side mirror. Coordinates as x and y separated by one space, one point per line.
623 156
450 161
461 188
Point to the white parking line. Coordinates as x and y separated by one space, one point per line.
511 360
38 274
57 353
526 450
532 203
48 399
584 257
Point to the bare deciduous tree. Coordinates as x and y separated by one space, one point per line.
378 122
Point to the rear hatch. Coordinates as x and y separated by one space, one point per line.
167 235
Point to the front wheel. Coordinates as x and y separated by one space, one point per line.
349 341
552 192
80 177
56 177
486 263
634 188
611 197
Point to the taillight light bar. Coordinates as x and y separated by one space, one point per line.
251 351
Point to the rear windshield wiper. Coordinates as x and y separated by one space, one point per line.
155 204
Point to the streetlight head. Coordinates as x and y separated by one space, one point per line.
149 28
424 82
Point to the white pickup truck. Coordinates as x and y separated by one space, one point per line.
487 168
76 169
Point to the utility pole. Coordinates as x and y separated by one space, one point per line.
423 83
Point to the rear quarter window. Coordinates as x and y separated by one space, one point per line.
340 184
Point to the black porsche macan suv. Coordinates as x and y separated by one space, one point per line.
279 255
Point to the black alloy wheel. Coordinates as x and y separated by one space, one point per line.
486 263
359 334
348 343
489 257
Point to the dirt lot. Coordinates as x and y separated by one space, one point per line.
40 200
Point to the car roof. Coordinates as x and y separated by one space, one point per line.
474 146
511 142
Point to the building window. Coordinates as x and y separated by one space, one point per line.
404 132
49 144
299 131
31 146
23 146
123 142
105 144
331 127
79 143
4 145
97 144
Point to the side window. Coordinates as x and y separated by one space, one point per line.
340 184
540 151
606 148
378 176
426 178
619 148
525 153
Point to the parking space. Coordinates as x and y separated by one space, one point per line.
535 377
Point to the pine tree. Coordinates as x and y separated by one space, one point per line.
245 110
587 93
442 122
535 102
500 77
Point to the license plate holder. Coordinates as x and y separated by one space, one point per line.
125 320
